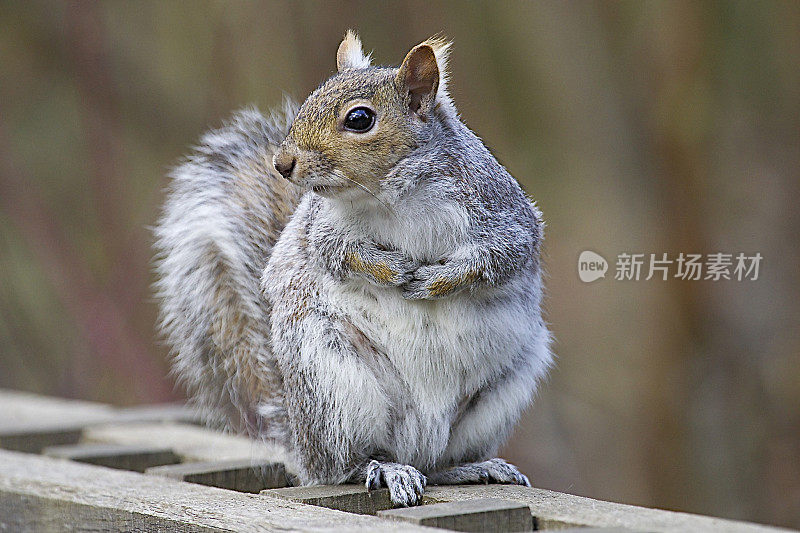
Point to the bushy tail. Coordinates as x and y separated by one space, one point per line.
226 206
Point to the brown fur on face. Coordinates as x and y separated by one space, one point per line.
327 154
321 153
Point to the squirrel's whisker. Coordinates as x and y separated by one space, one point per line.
387 206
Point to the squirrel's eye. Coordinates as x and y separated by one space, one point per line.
360 119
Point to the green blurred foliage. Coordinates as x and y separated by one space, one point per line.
642 127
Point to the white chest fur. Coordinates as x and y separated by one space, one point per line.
414 364
441 353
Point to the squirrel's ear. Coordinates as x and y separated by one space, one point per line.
423 74
350 54
419 78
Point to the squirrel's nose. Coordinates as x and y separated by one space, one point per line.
284 164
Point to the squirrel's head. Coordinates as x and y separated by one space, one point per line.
358 124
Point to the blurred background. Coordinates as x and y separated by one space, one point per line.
639 127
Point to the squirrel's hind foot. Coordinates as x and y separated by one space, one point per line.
492 471
406 484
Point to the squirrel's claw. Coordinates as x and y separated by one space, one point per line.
419 286
405 268
384 267
501 471
373 476
406 484
492 471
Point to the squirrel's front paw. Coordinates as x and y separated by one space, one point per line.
405 483
500 471
430 282
401 266
492 471
382 267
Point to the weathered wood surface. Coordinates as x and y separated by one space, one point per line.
160 412
24 408
348 498
550 510
124 457
555 510
598 530
491 515
241 475
191 443
41 494
31 423
45 494
33 438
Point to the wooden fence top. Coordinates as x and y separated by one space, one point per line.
50 480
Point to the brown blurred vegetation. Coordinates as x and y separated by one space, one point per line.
637 126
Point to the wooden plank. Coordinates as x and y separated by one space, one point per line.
191 443
134 458
348 498
554 510
30 423
33 513
239 475
22 408
491 515
42 494
165 412
597 530
33 438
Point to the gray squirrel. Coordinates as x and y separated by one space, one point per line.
358 279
